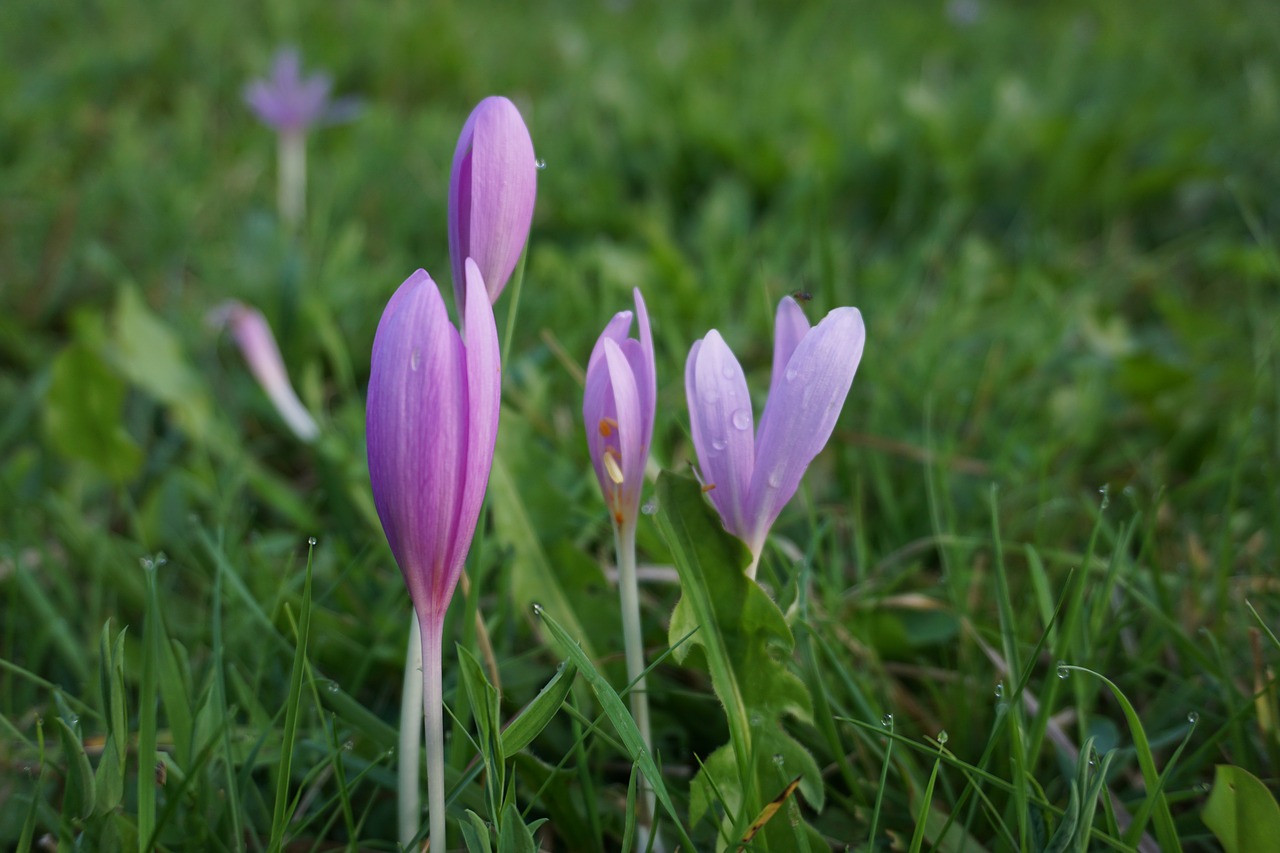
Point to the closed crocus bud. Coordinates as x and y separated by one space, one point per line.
253 336
491 193
618 409
751 474
431 423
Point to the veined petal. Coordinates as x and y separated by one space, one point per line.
416 426
617 330
721 423
600 417
492 187
626 399
789 328
484 401
645 372
801 413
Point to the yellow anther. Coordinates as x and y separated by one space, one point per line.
611 466
608 426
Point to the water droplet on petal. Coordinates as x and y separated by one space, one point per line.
1063 670
719 444
775 480
540 164
791 374
415 359
741 419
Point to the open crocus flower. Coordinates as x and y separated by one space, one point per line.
750 475
491 193
258 346
618 410
431 423
290 103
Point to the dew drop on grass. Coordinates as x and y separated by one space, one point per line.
311 540
1203 788
1105 491
332 687
348 745
756 721
778 759
887 721
147 563
1063 672
741 419
999 689
943 737
650 506
540 164
161 558
537 609
1193 717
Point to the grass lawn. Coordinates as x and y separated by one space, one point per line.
1025 599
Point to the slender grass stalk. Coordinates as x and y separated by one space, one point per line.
291 189
624 536
433 717
408 794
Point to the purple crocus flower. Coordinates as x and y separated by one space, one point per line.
491 193
618 409
431 423
750 475
253 336
290 103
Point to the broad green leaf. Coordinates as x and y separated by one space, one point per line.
743 640
1241 812
535 716
83 414
475 833
515 837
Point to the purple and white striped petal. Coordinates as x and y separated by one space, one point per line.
721 423
417 430
800 415
492 187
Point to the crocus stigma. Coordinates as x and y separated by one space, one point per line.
749 474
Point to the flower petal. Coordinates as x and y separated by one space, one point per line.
801 413
721 423
492 187
631 445
484 403
789 328
416 425
645 372
258 346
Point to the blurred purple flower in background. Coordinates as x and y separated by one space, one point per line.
253 336
291 105
492 187
751 475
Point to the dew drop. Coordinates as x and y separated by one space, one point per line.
390 753
161 558
1105 491
332 687
943 737
791 374
537 609
741 419
540 164
727 371
756 721
348 745
311 540
650 506
779 759
887 721
775 480
415 359
1204 788
999 689
1063 671
147 563
719 444
1193 717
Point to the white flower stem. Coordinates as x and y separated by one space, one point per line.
625 541
409 794
291 191
433 716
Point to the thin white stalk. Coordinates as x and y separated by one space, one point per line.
433 716
291 191
409 794
624 536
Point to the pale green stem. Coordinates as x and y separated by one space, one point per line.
755 564
624 536
291 191
433 716
410 812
